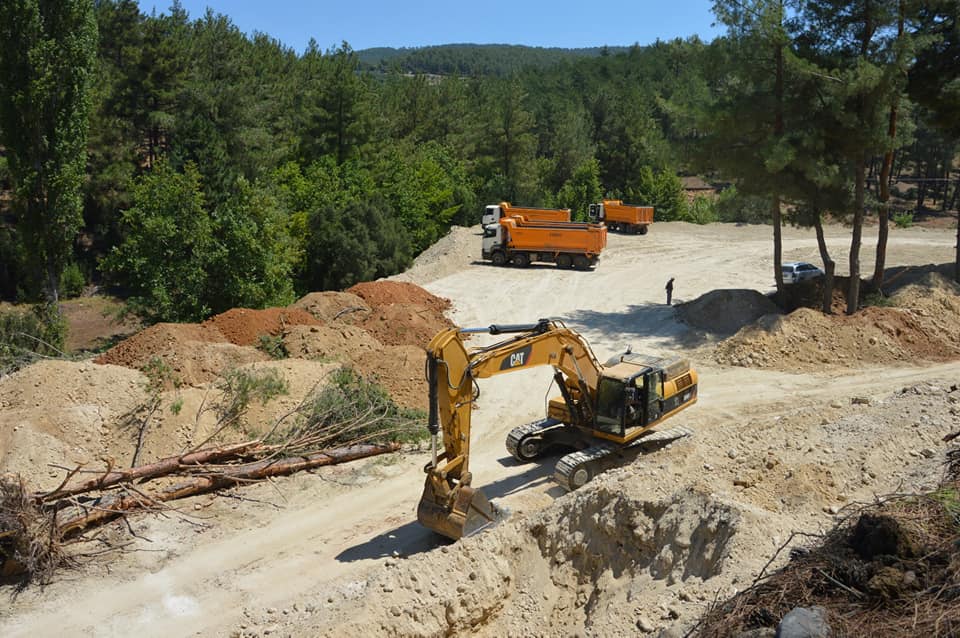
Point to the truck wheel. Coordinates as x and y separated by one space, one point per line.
564 261
499 259
521 260
580 262
642 230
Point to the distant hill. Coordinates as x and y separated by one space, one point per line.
473 59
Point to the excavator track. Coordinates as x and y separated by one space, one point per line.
662 436
577 468
523 442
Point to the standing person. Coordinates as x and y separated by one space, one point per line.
669 289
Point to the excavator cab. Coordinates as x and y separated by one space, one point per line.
622 405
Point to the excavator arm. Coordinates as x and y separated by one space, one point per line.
449 504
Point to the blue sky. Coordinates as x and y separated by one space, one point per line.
375 23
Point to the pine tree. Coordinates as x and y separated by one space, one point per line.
856 42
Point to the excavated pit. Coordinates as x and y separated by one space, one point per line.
557 572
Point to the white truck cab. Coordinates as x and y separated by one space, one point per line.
491 215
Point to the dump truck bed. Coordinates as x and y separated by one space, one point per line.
617 211
587 239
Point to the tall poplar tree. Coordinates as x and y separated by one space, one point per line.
46 66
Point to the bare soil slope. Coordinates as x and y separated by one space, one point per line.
922 325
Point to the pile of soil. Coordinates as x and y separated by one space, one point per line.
458 248
726 311
136 351
405 323
244 327
64 412
385 292
324 326
398 368
195 354
922 325
329 306
330 343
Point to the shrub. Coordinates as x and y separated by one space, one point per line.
26 335
242 387
662 190
72 280
273 345
903 220
732 206
701 210
351 409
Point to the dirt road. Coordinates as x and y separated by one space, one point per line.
257 566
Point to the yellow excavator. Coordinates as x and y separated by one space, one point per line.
602 411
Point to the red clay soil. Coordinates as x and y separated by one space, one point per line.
330 306
401 324
382 293
380 328
134 351
243 327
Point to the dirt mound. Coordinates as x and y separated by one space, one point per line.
330 343
386 292
924 326
332 306
61 412
405 324
194 353
455 250
726 311
243 327
195 363
395 313
137 350
399 368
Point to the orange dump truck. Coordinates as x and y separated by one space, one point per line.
619 216
519 241
495 212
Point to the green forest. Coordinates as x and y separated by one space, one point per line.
194 168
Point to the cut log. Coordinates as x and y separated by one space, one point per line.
163 467
102 511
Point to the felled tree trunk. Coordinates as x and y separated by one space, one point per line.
163 467
98 513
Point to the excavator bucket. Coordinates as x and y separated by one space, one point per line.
470 513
